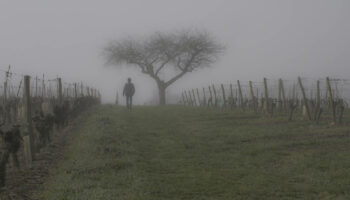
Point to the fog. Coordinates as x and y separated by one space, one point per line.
270 38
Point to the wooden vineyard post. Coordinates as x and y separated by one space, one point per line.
5 102
69 91
36 86
204 98
65 92
266 94
28 142
7 117
187 100
241 103
60 97
236 97
183 99
190 97
223 95
215 97
48 90
5 94
331 101
318 100
43 89
284 103
198 98
82 89
75 91
279 100
194 98
78 91
231 96
304 99
252 97
28 156
257 98
211 96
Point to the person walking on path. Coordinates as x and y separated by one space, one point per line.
129 91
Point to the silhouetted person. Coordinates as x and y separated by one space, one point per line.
129 91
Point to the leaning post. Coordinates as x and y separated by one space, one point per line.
211 96
240 94
198 97
252 97
194 98
284 103
183 99
187 100
190 97
304 99
215 97
223 94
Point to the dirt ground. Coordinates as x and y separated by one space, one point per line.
21 184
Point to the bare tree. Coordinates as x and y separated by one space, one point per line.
165 55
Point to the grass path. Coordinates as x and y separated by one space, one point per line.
173 152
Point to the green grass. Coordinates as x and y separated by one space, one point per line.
190 153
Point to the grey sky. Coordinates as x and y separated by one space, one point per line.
274 38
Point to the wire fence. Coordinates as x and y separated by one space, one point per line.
312 97
31 110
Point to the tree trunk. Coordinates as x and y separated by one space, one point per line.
161 89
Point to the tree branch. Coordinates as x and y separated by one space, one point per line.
175 78
183 70
162 66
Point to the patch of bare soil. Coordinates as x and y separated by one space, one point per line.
21 184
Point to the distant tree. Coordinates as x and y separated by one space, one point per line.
165 57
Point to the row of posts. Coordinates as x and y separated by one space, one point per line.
191 97
65 92
28 138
